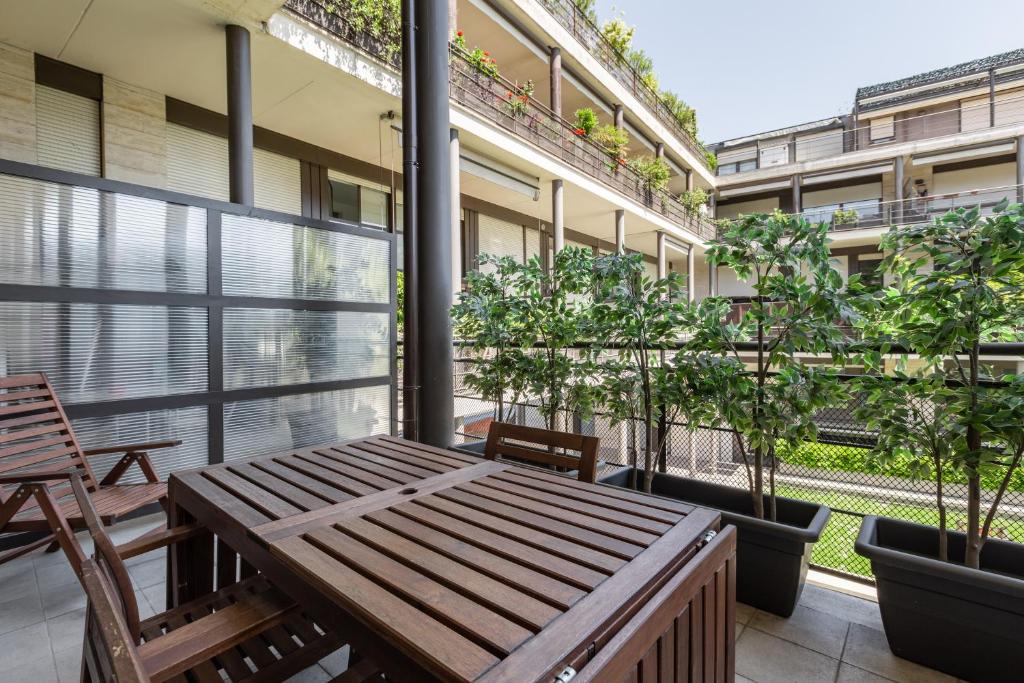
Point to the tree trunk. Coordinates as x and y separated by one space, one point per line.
757 495
972 555
940 505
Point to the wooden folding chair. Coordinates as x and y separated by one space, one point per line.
501 433
36 439
245 631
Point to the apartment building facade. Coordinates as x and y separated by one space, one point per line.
909 150
162 302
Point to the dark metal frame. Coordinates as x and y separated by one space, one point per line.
213 300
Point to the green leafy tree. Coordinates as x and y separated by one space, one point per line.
643 65
957 284
619 35
637 316
768 399
683 113
490 315
555 305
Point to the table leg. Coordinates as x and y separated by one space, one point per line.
190 567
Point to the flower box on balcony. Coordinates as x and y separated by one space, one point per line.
966 622
772 557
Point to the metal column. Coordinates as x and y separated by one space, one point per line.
456 214
691 292
797 200
619 116
620 231
239 74
437 401
558 214
555 73
662 259
897 164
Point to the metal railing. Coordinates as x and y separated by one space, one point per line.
954 121
834 470
569 15
864 215
386 48
498 100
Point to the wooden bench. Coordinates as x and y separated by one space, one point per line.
36 439
501 433
247 630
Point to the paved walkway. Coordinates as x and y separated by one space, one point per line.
831 637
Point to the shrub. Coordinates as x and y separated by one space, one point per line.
644 67
586 121
613 141
653 172
619 35
694 199
683 113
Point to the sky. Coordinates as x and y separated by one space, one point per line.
754 65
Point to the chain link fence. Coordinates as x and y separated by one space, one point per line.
834 470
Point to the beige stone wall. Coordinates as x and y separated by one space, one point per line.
134 134
17 105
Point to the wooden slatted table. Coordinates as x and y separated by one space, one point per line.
444 566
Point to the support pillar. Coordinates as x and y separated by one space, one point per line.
239 72
712 280
456 214
558 214
437 407
897 215
662 258
620 231
410 221
713 205
659 150
691 292
620 121
555 69
797 200
1020 169
992 98
689 180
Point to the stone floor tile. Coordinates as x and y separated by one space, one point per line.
856 610
66 630
810 628
15 568
69 664
156 595
866 648
147 574
19 585
851 674
24 646
767 659
60 600
20 612
744 612
744 679
145 608
41 669
314 674
56 574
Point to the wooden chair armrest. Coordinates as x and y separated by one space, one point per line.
131 448
158 538
29 478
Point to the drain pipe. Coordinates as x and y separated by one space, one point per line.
410 171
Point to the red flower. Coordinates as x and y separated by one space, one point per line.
622 162
458 33
524 99
580 132
508 93
486 53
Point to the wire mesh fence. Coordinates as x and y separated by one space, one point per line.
835 470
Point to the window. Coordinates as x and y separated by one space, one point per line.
373 207
356 202
67 131
870 271
882 128
344 201
197 163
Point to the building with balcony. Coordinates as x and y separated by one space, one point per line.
909 150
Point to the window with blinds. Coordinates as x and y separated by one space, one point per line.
277 182
67 131
500 238
197 163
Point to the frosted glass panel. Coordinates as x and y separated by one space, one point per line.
188 425
60 235
265 347
269 259
95 352
270 425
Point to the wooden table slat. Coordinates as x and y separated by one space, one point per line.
304 481
353 458
328 459
646 499
330 473
300 498
442 647
260 498
385 454
433 451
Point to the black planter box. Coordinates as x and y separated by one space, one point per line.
472 447
966 622
771 557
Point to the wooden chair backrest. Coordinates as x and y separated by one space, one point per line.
35 434
500 433
109 652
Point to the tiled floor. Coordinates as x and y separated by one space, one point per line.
832 637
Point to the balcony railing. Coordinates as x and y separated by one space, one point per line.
568 14
862 215
958 120
496 99
491 97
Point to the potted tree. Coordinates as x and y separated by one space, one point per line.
745 378
952 600
638 317
490 315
